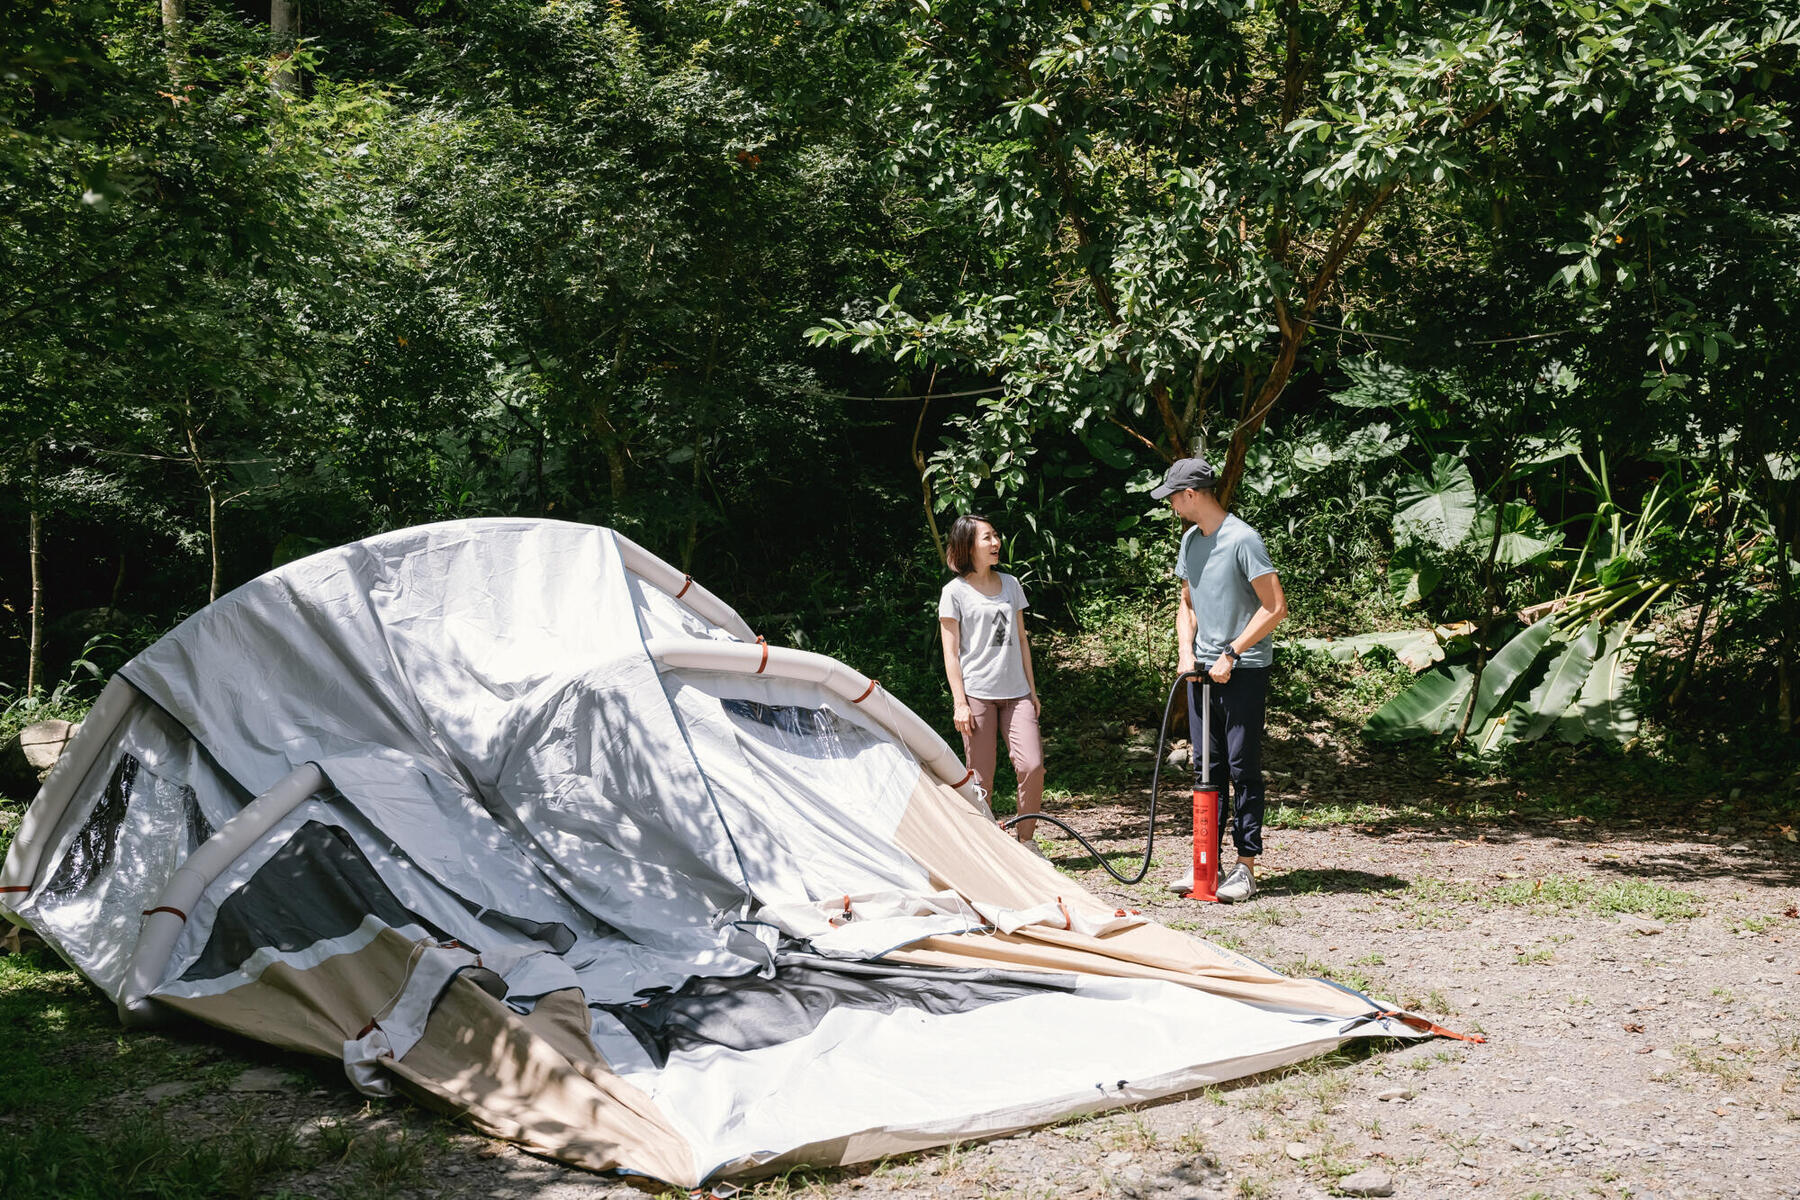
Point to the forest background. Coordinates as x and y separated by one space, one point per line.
1486 310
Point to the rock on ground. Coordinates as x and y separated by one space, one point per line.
27 758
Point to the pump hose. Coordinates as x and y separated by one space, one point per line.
1155 778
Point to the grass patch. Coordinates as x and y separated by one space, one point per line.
1289 815
1728 1069
1308 967
1271 914
143 1158
65 1050
389 1163
1614 896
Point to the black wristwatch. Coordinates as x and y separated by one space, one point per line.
1235 656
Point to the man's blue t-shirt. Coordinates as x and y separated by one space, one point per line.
1218 570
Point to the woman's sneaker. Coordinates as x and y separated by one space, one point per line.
1239 885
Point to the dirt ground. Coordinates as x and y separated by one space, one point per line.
1628 1054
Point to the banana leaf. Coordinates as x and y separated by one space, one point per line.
1607 706
1424 709
1421 652
1506 669
1345 649
1562 682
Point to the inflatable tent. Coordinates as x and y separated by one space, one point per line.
514 818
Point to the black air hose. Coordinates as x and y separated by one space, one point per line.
1155 779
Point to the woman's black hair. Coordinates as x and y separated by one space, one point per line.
960 554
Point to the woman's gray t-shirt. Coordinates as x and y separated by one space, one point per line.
993 668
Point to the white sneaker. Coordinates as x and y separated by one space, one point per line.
1239 885
1183 886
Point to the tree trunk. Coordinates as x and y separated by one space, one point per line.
118 589
34 662
706 377
1784 647
212 504
174 27
284 33
918 462
1256 412
600 422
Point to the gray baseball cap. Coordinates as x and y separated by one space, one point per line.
1185 473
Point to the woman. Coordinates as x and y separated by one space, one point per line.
988 659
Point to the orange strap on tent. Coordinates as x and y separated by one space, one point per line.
167 909
687 581
1424 1026
865 696
1068 921
965 778
764 643
16 887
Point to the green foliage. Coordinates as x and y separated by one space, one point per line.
1447 284
69 700
1437 507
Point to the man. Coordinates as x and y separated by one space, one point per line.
1231 601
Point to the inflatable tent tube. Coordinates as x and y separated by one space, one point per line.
651 569
918 737
162 924
41 819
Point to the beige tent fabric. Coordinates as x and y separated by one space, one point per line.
315 1010
966 852
537 1080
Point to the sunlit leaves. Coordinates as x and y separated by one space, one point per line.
1437 506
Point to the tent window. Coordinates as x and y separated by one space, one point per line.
97 844
199 829
810 732
316 887
751 1013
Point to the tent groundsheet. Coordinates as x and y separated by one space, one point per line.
514 818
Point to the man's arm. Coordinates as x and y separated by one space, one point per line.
1271 610
1186 626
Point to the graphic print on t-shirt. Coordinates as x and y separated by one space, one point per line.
999 640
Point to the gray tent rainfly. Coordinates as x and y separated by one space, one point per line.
516 819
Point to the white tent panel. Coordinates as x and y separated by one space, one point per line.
968 1074
526 772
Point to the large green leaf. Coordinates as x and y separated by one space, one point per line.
1501 678
1438 506
1562 682
1425 709
1607 706
1346 648
1377 385
1412 575
1523 535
